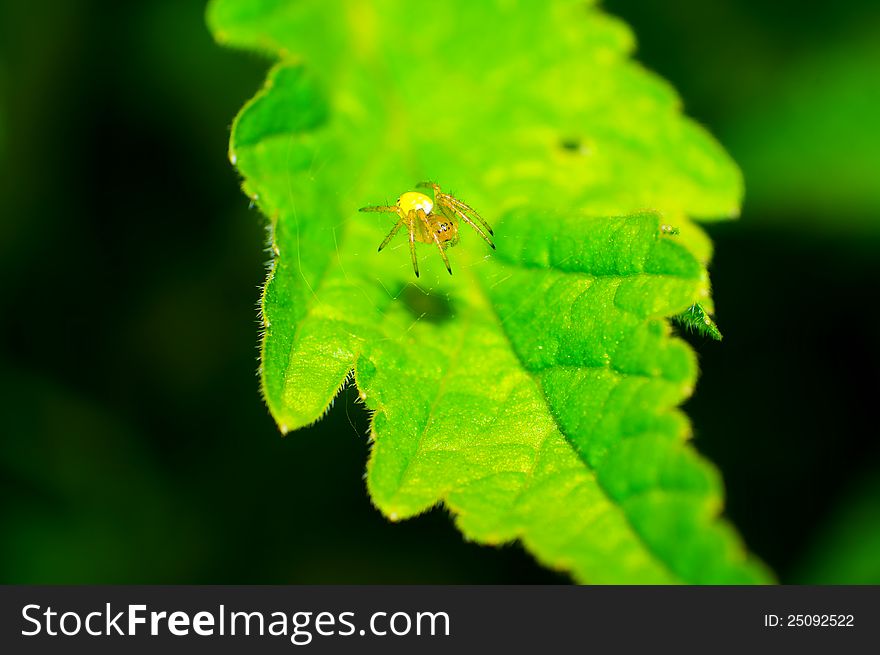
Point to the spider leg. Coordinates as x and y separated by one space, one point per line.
476 227
412 241
445 198
424 219
385 208
443 254
394 230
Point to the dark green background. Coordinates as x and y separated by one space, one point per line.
135 446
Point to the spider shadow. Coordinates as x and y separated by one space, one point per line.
425 305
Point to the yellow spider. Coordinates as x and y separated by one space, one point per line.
432 222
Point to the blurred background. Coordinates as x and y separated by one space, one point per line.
135 447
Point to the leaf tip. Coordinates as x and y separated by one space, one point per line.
696 318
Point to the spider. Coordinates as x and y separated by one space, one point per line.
432 222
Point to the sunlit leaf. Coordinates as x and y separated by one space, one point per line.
534 391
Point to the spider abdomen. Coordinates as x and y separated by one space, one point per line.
413 201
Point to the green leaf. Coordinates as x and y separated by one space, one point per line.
696 319
534 391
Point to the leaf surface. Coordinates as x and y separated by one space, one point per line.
535 391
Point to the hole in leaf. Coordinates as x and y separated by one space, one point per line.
570 144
